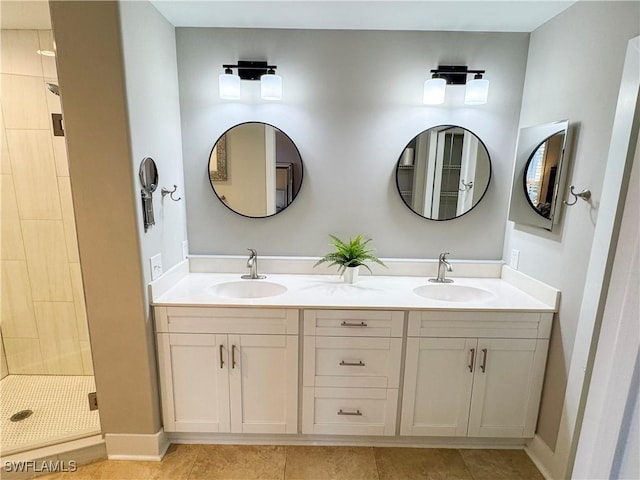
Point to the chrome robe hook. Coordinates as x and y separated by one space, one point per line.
584 194
166 191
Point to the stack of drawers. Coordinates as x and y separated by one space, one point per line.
351 371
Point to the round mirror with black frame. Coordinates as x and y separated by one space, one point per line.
443 172
255 169
541 172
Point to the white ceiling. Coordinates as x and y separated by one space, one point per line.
449 15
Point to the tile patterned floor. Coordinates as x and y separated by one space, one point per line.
60 410
198 462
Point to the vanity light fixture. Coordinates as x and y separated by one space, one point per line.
434 90
476 92
229 85
270 83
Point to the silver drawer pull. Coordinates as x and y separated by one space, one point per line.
484 360
352 364
233 356
356 413
348 324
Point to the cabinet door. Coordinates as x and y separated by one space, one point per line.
263 374
506 388
437 386
194 382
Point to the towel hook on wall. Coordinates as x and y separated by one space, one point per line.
166 191
584 194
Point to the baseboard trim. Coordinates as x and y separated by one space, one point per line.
344 440
540 454
140 447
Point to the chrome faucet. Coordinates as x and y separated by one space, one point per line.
252 265
443 268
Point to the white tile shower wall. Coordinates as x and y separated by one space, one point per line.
44 325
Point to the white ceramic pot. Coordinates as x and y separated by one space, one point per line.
351 274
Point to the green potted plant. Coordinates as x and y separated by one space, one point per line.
349 256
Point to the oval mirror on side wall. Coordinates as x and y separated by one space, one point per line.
538 177
255 169
443 172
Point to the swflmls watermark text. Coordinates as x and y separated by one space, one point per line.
40 466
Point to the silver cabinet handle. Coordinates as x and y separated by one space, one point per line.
484 360
356 413
352 364
221 359
233 356
472 359
348 324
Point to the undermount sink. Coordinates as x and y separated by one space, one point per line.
450 292
248 289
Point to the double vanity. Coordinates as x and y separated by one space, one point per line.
392 356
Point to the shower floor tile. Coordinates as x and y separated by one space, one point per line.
60 410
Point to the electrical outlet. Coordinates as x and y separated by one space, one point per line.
515 259
156 266
185 249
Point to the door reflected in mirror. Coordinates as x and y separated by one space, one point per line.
255 169
443 172
538 176
541 172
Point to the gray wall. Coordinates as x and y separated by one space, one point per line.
573 72
149 50
351 101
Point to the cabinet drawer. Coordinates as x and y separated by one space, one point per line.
352 362
268 321
353 323
479 324
349 411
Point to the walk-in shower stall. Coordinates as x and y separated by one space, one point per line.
47 371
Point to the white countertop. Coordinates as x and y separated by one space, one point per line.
375 292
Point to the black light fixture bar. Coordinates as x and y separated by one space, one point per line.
251 70
455 74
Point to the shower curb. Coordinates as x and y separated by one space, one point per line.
81 451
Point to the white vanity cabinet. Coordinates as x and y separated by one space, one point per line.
351 371
194 385
476 374
228 369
